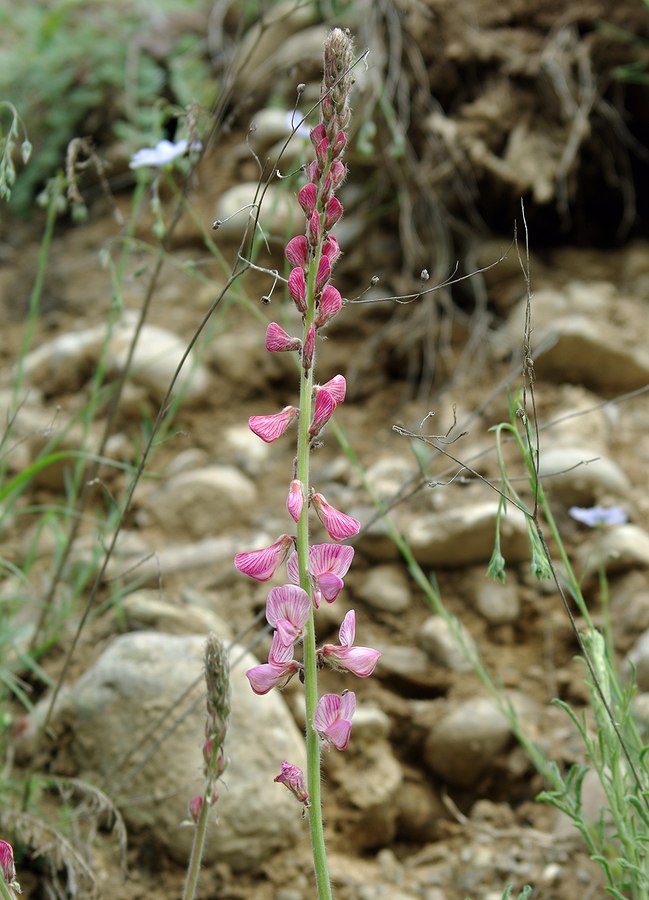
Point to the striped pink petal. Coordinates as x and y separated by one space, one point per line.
339 525
278 341
269 428
261 564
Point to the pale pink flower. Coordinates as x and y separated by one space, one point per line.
297 288
307 198
336 387
359 660
277 672
296 251
339 525
329 305
261 564
328 565
295 500
269 428
293 777
195 806
333 212
322 411
278 341
332 718
287 610
309 347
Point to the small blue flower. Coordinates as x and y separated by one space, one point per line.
595 516
164 153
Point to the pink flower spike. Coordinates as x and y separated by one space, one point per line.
269 428
296 251
261 564
277 672
324 273
297 288
293 777
287 610
322 411
295 500
278 341
317 134
339 525
307 198
332 718
333 212
360 661
331 249
336 387
308 348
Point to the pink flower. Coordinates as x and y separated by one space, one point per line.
293 777
339 144
7 863
329 305
287 610
195 807
328 565
339 525
359 660
317 134
314 229
277 340
333 212
336 387
269 428
322 411
312 172
338 171
307 198
331 249
309 346
297 288
261 564
324 272
295 500
321 151
277 672
296 251
332 718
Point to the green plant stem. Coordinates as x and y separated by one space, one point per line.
5 893
194 868
320 866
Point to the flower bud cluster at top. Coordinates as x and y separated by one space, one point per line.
312 256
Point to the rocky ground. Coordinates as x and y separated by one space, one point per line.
434 798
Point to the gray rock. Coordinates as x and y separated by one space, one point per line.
465 535
619 547
578 475
465 740
498 603
203 502
445 648
139 687
385 588
638 656
279 211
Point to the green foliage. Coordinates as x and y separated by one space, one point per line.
74 67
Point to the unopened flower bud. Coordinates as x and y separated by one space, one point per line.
339 144
318 134
307 198
296 251
308 348
314 230
329 305
295 500
297 288
333 212
277 340
195 806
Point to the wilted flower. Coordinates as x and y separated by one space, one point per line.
293 777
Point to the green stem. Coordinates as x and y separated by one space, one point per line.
194 868
320 866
